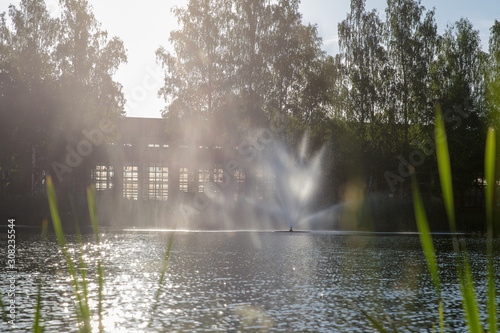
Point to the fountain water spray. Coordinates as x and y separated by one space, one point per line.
294 182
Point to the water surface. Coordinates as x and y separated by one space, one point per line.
245 281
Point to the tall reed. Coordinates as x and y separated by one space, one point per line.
81 306
465 279
469 301
100 270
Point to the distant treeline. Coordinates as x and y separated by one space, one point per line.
56 79
240 64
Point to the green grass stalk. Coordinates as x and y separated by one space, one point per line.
427 245
469 302
163 272
82 311
444 168
37 325
2 308
469 297
489 172
376 324
425 237
441 316
100 270
82 268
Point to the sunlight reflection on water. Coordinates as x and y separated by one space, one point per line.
230 281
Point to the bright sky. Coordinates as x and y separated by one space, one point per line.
145 25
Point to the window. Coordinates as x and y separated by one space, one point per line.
102 176
265 183
207 175
203 178
239 184
218 175
131 182
259 184
184 179
158 183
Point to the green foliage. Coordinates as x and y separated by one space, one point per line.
256 56
55 80
360 40
459 85
493 74
411 39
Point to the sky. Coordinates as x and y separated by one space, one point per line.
145 25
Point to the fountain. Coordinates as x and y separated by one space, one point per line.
293 181
282 188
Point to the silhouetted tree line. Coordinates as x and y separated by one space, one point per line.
238 64
56 79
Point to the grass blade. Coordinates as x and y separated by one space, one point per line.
56 221
466 284
425 237
100 270
163 271
372 320
489 172
37 326
82 267
444 168
83 273
93 216
441 316
469 298
2 308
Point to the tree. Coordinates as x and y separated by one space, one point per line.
460 88
299 93
27 88
251 33
86 60
199 74
55 81
360 40
493 77
410 38
251 56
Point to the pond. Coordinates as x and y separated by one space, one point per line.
244 281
